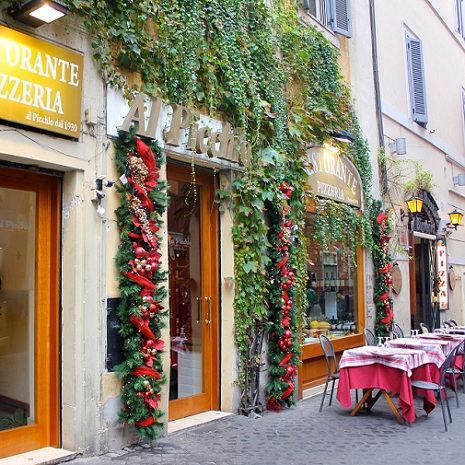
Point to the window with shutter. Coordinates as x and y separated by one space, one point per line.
417 81
460 17
333 14
341 21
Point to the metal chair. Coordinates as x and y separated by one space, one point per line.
397 331
455 370
424 328
453 322
447 324
370 338
333 367
440 387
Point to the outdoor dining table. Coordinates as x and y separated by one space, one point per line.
436 350
388 369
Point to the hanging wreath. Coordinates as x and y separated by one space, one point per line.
381 230
143 200
283 346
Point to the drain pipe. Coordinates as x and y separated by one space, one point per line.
379 113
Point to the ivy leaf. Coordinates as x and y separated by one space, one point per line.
249 266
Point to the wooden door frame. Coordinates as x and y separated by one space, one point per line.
45 431
209 245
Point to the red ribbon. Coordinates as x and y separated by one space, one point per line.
145 371
142 326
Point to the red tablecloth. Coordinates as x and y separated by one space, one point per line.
389 378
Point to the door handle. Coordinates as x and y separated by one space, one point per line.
209 310
199 304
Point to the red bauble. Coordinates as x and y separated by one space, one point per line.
139 252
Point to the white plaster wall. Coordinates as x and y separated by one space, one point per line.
440 147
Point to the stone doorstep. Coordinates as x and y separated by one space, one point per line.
45 456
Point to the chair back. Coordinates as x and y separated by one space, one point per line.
453 323
397 331
446 324
450 361
330 355
424 328
370 338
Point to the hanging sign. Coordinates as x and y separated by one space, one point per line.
443 291
334 176
40 84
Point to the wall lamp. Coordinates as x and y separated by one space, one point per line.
398 146
455 218
342 136
414 204
459 179
35 13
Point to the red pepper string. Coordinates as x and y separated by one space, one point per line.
146 422
285 360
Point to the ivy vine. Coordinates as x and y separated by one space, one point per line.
252 63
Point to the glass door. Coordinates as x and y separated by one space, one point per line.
192 229
28 312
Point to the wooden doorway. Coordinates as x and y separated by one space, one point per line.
29 343
193 282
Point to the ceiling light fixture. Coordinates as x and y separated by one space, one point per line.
35 13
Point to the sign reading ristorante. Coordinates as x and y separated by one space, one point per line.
40 84
334 176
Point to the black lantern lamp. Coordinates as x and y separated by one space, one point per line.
35 13
455 218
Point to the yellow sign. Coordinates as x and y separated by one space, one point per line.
334 176
40 84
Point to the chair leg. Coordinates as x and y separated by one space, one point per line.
443 410
454 380
324 395
332 390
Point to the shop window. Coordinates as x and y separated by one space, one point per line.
331 290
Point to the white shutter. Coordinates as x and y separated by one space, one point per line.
417 81
341 19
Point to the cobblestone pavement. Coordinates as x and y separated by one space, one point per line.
303 436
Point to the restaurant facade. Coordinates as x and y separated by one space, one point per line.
61 233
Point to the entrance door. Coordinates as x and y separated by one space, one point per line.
426 308
29 219
193 256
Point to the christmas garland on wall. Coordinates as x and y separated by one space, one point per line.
283 344
143 200
381 231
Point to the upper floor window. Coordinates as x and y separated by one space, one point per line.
463 108
460 17
416 80
334 14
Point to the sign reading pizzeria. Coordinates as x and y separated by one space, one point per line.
40 84
334 176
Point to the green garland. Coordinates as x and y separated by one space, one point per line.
381 229
143 201
284 352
